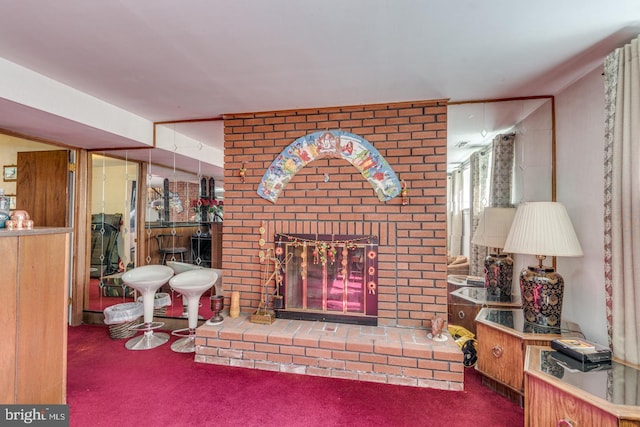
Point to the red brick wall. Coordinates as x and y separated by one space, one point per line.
410 136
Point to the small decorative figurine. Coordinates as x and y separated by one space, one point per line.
437 324
19 220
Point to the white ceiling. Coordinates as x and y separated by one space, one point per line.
163 60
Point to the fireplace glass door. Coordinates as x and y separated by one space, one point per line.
329 277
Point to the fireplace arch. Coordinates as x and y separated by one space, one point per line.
331 143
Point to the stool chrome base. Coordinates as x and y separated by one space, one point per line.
185 345
149 339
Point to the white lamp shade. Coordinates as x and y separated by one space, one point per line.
493 227
542 228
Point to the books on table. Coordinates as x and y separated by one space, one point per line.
582 350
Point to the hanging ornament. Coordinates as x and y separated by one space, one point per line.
404 193
331 253
242 173
261 243
371 286
323 254
303 261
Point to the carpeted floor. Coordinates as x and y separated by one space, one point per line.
111 386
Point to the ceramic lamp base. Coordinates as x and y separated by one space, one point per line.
542 291
498 277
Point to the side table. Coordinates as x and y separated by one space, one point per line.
465 304
457 281
555 395
503 337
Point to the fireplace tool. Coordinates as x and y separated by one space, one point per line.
264 314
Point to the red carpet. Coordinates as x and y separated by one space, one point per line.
111 386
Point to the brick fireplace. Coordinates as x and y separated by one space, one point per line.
330 194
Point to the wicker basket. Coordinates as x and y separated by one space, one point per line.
122 330
121 317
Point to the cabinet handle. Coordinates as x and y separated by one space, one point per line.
565 423
461 314
497 351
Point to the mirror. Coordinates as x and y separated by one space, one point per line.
113 228
122 237
172 197
472 128
163 197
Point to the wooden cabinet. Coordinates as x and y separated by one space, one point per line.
503 337
465 304
34 299
555 396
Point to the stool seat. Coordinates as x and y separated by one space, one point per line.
181 267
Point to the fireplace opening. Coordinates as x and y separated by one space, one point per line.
327 277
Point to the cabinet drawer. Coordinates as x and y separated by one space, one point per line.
463 315
500 357
549 406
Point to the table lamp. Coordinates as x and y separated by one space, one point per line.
542 229
492 230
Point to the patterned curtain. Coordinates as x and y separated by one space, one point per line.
502 171
622 200
479 170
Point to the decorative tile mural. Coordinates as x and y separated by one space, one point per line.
331 143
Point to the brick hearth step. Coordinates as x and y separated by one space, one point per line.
383 354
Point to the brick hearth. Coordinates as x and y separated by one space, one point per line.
382 354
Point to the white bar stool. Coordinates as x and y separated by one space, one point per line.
191 284
147 280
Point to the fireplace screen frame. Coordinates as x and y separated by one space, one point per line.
329 287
